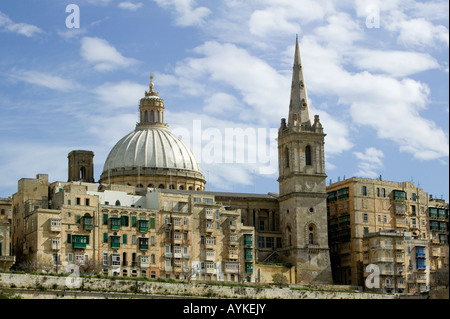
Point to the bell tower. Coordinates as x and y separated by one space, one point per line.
302 186
81 166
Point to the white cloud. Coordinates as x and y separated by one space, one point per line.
122 94
394 63
49 81
228 66
370 161
130 5
25 29
390 106
420 33
102 55
186 12
220 103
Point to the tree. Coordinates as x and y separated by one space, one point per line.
280 280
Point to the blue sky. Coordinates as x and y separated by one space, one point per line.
377 73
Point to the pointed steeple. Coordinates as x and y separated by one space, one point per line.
299 105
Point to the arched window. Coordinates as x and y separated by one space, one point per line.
157 116
181 187
171 186
308 155
286 157
151 186
152 116
117 203
312 234
145 116
161 186
82 173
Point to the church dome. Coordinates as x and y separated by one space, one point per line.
152 156
153 147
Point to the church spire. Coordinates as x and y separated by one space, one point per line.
299 105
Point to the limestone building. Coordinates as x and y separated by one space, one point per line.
363 208
6 259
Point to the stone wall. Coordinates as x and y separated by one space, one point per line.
47 283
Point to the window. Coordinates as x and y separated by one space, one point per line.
115 259
364 190
379 218
124 220
270 242
384 192
286 157
261 225
365 218
105 237
414 197
308 155
378 192
385 219
117 202
105 219
260 242
124 238
366 230
86 201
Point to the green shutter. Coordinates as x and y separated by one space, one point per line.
105 219
152 223
133 221
105 237
124 238
78 219
69 238
87 240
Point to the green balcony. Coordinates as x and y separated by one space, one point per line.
399 195
249 268
143 225
248 254
248 240
143 243
332 197
80 241
115 223
343 193
88 223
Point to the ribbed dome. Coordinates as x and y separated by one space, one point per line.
152 147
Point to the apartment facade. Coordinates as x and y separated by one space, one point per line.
6 259
361 206
124 231
400 261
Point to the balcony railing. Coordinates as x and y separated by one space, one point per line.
383 259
